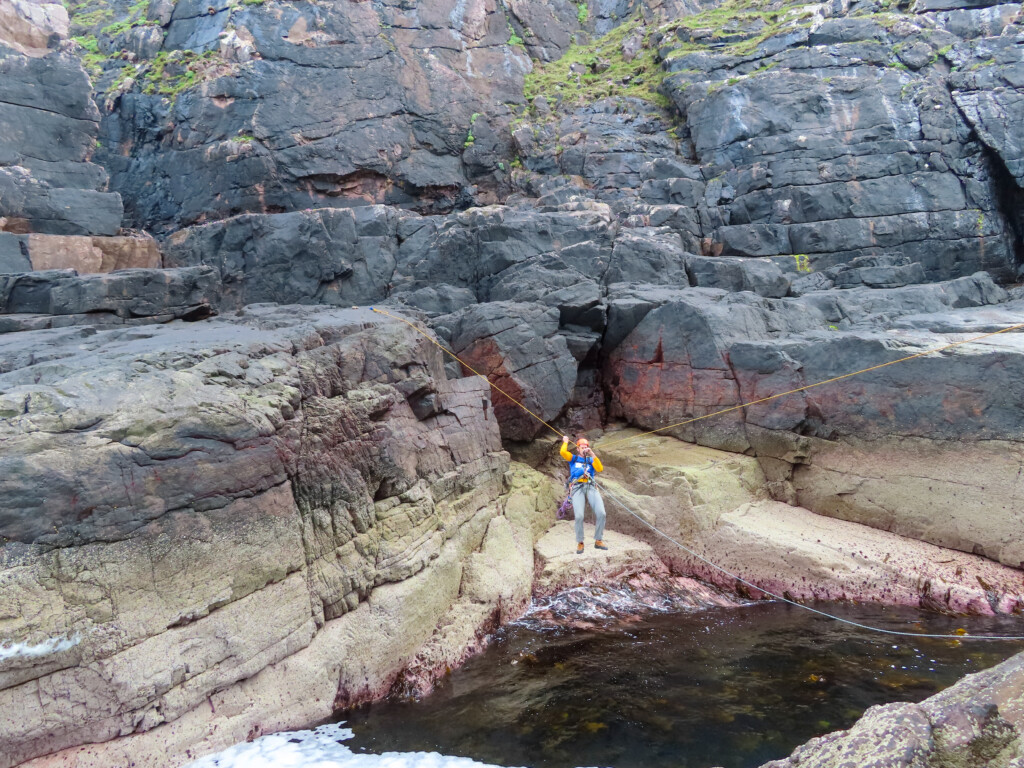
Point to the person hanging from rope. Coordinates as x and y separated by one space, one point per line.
583 489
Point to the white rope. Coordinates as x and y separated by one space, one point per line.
740 579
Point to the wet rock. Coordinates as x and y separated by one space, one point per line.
975 722
830 174
761 276
333 256
282 455
559 567
12 254
609 144
989 95
344 105
482 249
648 256
48 131
697 351
715 503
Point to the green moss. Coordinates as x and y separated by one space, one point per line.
514 39
88 42
739 27
171 73
136 18
470 138
582 13
93 63
126 72
640 78
92 18
245 138
115 29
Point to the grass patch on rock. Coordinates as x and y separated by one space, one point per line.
599 70
172 72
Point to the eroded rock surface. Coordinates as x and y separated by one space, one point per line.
238 501
978 721
618 209
716 504
49 126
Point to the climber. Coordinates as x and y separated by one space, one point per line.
583 489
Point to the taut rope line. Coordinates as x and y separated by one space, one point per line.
462 362
793 602
664 535
812 386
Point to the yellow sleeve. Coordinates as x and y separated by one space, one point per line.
565 452
598 465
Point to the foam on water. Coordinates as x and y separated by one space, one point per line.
322 748
45 648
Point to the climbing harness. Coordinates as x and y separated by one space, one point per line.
719 413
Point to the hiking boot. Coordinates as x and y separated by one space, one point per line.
579 548
599 545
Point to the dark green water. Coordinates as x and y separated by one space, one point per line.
724 687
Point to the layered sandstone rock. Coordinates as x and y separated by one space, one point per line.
715 504
212 530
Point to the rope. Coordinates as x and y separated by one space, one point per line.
810 386
740 579
462 362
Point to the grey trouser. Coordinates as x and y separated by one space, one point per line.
581 494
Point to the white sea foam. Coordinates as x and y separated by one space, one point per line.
45 648
322 748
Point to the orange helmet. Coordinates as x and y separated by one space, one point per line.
583 443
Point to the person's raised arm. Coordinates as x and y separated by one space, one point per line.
564 453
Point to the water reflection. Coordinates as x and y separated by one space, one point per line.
631 687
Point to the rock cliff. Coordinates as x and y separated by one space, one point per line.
236 510
230 503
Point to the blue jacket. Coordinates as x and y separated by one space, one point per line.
581 469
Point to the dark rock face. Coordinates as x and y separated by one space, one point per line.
48 132
881 166
748 202
862 153
326 256
316 106
518 348
189 293
698 351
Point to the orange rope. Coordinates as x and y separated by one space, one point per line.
811 386
713 413
462 362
